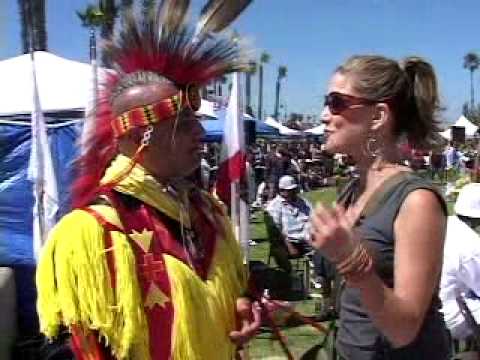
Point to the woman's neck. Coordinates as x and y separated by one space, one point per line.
374 170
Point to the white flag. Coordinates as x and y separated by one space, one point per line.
232 168
41 173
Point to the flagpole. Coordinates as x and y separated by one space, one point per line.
93 63
38 158
232 170
239 206
40 170
90 109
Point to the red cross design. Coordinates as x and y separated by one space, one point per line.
152 269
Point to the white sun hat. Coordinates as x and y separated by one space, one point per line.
287 182
468 201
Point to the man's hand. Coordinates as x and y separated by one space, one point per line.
249 316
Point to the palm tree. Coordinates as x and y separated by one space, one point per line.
102 16
471 61
92 18
125 4
248 87
147 6
282 73
264 59
33 29
109 10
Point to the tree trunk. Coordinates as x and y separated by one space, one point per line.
248 91
260 92
24 8
277 99
472 90
33 25
106 29
39 25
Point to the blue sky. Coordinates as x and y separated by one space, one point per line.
311 37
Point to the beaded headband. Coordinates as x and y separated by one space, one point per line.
157 112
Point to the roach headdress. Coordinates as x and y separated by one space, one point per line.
160 47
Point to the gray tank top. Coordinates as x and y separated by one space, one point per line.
358 339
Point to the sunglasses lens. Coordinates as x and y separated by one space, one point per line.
335 103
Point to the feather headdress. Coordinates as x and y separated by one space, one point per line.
161 46
166 43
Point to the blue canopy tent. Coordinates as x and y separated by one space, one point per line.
214 129
16 200
64 89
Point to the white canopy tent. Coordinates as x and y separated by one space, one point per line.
62 84
446 134
317 130
470 128
207 108
281 128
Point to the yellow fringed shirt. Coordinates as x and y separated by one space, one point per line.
74 285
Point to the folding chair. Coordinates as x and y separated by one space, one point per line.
284 260
474 353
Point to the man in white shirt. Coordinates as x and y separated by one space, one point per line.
461 263
290 215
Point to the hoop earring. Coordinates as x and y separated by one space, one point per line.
373 147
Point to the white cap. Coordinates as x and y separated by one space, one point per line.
468 201
287 182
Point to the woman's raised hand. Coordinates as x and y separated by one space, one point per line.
332 231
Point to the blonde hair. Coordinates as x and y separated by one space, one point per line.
409 87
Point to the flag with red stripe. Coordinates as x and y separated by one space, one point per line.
231 175
232 166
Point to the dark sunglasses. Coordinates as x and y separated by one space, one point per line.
338 102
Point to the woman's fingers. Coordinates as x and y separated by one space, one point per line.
325 215
332 229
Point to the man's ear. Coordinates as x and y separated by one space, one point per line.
381 117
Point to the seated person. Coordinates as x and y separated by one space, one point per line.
289 215
461 262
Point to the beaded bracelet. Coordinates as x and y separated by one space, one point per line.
356 265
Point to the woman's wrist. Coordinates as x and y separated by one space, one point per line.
356 266
341 253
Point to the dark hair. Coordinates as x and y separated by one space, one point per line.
409 87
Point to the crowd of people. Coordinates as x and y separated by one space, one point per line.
310 165
146 266
448 162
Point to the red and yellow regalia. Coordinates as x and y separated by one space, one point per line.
141 269
142 286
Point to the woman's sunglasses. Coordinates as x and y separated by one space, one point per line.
338 102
